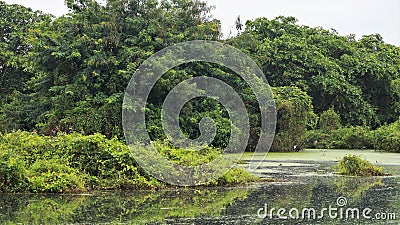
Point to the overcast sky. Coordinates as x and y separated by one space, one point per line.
358 17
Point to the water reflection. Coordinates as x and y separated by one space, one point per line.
133 208
206 205
379 194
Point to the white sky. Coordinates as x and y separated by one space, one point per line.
359 17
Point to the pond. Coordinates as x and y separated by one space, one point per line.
301 182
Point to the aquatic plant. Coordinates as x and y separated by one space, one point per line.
353 165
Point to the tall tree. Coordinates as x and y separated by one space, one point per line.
88 57
15 67
356 78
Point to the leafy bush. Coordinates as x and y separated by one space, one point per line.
318 139
344 138
353 138
12 172
329 121
238 176
54 176
387 138
354 166
69 163
187 157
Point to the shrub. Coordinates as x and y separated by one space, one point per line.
28 146
353 165
12 172
69 163
387 138
317 139
54 176
329 121
344 138
187 157
238 176
353 138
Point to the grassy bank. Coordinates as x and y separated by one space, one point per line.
76 163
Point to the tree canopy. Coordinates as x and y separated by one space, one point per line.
357 78
69 74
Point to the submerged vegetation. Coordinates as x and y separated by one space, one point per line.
353 165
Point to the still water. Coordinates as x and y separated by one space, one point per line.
297 185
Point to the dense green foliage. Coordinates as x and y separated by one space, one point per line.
329 121
66 163
16 68
386 138
82 62
74 163
343 138
295 115
68 75
354 166
358 79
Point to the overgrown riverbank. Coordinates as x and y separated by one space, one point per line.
386 138
76 163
